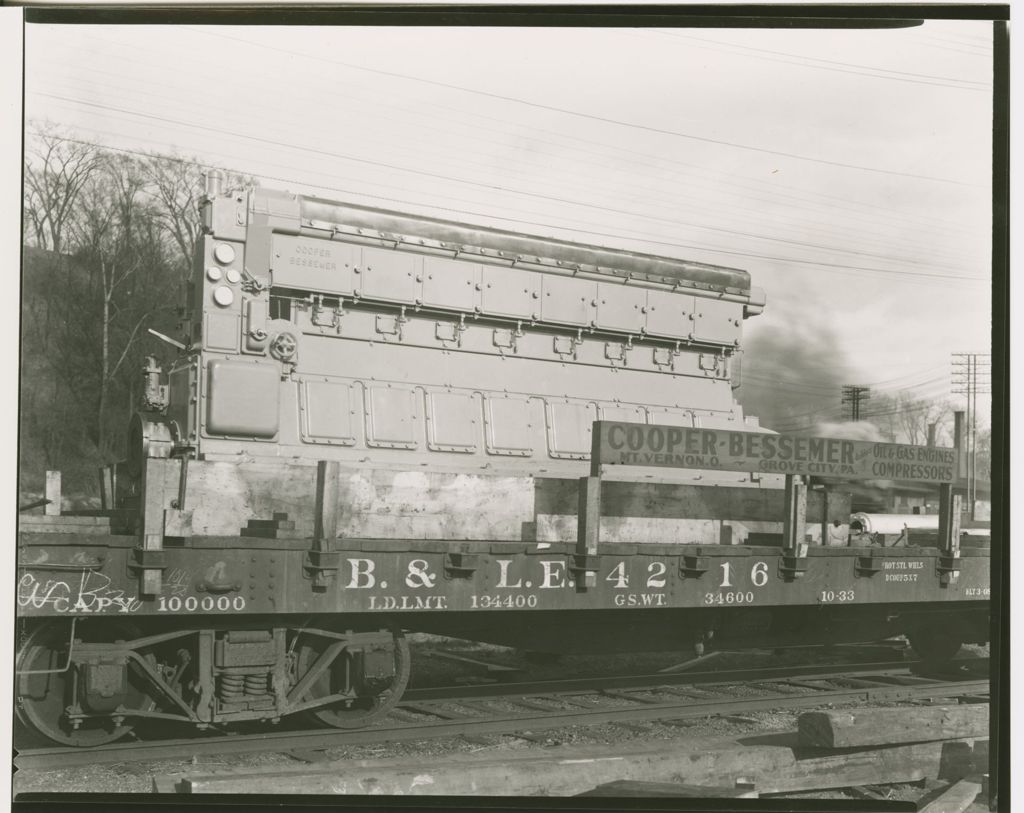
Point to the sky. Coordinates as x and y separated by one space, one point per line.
847 171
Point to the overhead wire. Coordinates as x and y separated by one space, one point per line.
966 40
864 417
813 419
919 389
590 116
724 208
498 187
957 48
807 61
844 203
835 412
716 186
921 371
788 260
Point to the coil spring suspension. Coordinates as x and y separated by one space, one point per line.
232 687
256 684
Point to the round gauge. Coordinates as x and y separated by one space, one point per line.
224 254
233 276
223 295
213 273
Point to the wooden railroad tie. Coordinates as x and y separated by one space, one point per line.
765 764
849 728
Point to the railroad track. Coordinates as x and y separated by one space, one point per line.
524 708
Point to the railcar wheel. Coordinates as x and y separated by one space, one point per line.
935 646
44 697
374 698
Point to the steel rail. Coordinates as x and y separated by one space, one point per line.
595 683
536 718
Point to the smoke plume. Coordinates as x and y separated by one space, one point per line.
793 375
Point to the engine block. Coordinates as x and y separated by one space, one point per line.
329 331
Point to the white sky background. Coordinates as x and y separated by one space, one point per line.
892 251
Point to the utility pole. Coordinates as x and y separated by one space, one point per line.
972 373
852 396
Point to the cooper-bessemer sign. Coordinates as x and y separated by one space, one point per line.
638 444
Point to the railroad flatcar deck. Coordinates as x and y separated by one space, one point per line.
380 423
254 574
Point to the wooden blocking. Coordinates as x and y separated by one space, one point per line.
177 523
561 771
956 798
151 582
64 524
164 784
558 496
948 759
159 485
884 726
570 770
280 527
794 524
865 792
52 508
325 521
589 515
589 531
630 788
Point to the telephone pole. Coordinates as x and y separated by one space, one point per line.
852 396
972 373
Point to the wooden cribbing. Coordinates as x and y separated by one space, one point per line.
571 770
846 728
629 788
224 496
956 798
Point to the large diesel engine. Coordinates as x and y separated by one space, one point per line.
445 364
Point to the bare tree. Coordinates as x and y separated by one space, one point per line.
109 239
904 418
119 246
56 170
175 187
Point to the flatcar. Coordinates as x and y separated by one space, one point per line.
381 423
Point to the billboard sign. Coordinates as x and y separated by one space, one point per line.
638 444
